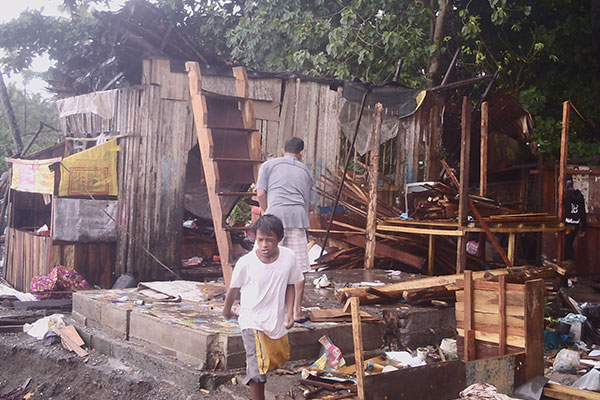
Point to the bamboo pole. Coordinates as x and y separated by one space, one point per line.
373 179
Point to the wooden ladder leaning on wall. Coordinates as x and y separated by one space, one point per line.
229 147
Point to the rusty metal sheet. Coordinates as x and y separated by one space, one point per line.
497 371
441 381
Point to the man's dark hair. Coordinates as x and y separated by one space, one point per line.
268 223
294 145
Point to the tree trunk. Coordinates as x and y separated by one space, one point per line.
10 116
436 39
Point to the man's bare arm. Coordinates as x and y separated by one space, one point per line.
232 294
261 196
290 292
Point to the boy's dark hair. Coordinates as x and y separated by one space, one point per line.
294 145
268 223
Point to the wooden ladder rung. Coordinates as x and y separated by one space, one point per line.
228 128
240 160
220 96
236 194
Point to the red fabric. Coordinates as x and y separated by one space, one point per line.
59 279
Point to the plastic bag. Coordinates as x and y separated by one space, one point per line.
331 356
566 361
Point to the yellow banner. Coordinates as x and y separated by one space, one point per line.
94 168
32 176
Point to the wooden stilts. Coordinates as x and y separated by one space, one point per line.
431 255
373 179
562 176
463 190
358 346
483 158
469 331
502 314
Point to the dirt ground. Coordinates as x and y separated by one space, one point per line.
52 372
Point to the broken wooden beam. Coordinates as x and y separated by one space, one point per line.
396 290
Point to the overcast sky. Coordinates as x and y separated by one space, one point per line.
11 9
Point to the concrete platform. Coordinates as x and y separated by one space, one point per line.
197 334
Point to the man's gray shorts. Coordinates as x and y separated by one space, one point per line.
252 372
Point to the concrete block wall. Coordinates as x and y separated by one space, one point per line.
418 326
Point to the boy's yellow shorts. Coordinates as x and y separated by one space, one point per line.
263 354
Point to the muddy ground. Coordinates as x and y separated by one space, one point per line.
53 372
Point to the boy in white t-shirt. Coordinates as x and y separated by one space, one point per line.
265 277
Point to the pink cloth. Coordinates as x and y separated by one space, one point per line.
59 279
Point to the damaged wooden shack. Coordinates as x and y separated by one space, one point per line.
159 179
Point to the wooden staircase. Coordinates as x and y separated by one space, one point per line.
229 147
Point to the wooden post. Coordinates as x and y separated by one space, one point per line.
431 255
534 328
478 218
469 339
483 157
358 346
483 152
502 314
562 176
463 190
373 178
511 247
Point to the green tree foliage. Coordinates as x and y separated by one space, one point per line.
30 109
546 51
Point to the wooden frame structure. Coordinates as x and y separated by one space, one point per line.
229 147
498 318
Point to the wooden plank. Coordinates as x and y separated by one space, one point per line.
510 253
534 326
463 189
468 312
488 285
560 392
358 347
484 298
423 231
371 224
502 314
483 318
562 174
71 343
512 331
397 289
483 151
43 304
430 254
486 306
516 341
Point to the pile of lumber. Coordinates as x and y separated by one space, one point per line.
402 251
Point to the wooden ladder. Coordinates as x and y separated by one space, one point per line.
229 148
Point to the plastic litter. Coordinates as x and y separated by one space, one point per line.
321 282
566 361
573 318
590 381
448 346
331 357
39 328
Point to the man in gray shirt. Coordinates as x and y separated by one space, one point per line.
286 189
